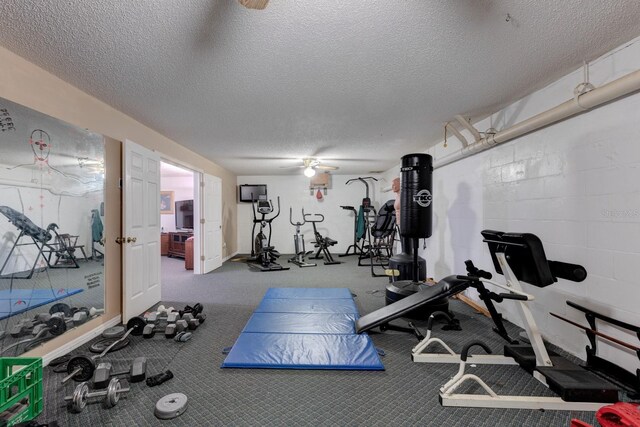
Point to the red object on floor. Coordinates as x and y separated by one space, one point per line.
620 414
578 423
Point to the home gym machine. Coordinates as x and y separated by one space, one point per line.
521 257
298 241
415 224
263 255
322 243
359 218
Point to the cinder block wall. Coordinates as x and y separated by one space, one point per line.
575 184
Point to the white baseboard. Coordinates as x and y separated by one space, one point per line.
77 342
230 256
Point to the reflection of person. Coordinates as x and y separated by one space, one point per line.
395 187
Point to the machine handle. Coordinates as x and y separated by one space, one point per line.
314 220
465 350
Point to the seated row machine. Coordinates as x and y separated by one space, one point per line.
520 257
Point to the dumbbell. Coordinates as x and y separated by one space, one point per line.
81 367
192 322
81 395
135 374
195 310
175 328
76 316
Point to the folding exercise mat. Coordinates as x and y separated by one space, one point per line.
17 301
304 328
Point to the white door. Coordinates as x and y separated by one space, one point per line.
141 230
211 220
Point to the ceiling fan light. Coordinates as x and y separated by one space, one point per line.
309 171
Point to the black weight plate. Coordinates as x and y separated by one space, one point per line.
83 362
114 332
100 346
61 308
57 326
137 324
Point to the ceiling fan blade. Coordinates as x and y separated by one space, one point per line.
254 4
291 167
328 168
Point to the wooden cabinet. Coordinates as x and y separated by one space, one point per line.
177 242
164 244
188 259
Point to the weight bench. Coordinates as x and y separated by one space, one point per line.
446 287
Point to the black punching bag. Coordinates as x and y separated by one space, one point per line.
415 196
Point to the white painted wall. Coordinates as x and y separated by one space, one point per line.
182 186
575 184
294 192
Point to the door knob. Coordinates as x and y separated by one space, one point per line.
119 240
131 239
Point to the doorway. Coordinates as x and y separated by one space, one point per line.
178 220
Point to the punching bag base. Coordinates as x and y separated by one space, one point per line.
403 262
397 290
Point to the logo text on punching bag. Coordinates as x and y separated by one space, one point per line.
423 198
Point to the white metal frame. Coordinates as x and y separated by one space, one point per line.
448 395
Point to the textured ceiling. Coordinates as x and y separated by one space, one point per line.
358 83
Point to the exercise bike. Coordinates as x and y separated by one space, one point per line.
263 255
322 243
298 241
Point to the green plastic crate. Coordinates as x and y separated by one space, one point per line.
20 378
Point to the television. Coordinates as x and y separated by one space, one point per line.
246 190
184 214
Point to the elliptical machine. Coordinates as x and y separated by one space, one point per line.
263 255
298 241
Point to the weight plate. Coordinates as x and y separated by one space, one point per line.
79 397
112 397
56 326
100 346
114 332
171 406
61 308
137 324
86 366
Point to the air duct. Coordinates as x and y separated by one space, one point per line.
587 101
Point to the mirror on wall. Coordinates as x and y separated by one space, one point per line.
51 227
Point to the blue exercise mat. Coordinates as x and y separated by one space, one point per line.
283 305
303 351
18 301
308 293
304 328
302 323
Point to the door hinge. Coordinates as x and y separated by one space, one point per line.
201 183
201 257
201 220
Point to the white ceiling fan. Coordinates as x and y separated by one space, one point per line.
254 4
310 165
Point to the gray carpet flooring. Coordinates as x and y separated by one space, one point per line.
406 393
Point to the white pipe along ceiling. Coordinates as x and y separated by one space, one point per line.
581 103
